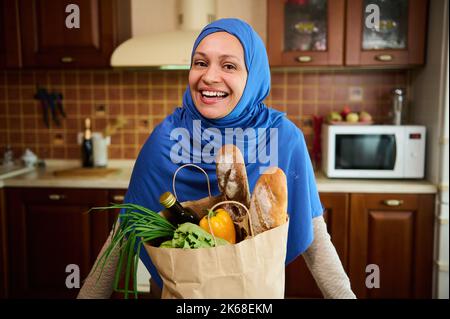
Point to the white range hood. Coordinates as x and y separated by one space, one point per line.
167 50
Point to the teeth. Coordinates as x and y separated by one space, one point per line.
213 93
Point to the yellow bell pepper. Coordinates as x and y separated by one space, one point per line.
221 224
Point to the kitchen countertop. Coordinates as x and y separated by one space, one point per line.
12 170
401 186
44 177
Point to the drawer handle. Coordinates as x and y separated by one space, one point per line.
67 59
384 57
393 202
304 59
56 196
118 198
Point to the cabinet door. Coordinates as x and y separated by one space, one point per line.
9 34
398 39
50 229
309 33
299 281
47 42
394 232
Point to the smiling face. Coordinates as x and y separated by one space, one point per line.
218 75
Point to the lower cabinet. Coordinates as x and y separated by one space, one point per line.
385 243
50 229
44 230
394 234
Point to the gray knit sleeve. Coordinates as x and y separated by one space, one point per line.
101 287
326 267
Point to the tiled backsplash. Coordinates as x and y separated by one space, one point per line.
144 98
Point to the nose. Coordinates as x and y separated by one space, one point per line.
211 75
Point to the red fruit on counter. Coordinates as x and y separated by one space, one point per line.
345 111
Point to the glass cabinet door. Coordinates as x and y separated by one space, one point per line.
385 32
305 25
305 32
390 29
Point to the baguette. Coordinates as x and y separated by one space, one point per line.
233 185
268 206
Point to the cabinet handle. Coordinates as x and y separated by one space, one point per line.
56 197
67 59
384 57
118 198
393 202
304 59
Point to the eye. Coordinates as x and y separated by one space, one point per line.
200 63
229 66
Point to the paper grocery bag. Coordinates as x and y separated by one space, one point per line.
253 268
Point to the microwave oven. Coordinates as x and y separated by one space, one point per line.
373 151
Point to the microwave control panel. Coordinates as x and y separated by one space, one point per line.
414 150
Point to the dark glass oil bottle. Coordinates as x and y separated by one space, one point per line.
179 213
87 153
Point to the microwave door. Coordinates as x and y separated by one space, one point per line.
367 155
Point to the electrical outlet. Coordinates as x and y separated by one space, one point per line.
58 139
100 110
355 94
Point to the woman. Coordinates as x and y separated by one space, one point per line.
228 82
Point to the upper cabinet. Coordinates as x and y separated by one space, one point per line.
398 38
346 32
47 41
9 34
305 32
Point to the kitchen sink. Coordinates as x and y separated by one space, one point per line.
13 170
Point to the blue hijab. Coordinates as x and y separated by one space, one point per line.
185 135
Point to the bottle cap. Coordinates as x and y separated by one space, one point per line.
167 199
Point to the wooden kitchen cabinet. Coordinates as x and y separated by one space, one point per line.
47 42
399 40
305 33
335 33
48 230
299 281
10 55
394 232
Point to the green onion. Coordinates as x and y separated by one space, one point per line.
137 224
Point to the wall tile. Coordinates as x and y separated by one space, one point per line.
145 98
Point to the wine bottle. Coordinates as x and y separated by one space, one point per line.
179 213
87 155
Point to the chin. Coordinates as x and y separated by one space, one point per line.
211 115
212 112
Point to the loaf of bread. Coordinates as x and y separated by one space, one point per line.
233 185
268 206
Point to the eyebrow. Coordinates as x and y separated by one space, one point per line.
223 56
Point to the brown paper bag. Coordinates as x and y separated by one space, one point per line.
253 268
